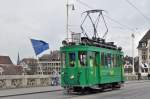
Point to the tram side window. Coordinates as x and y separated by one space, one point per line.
106 62
63 60
109 60
82 56
118 61
102 59
72 59
121 60
114 62
92 59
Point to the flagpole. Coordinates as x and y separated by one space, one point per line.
38 64
41 70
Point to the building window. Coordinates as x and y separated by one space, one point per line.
144 57
143 52
143 44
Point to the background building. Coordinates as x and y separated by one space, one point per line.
128 63
8 68
50 63
144 54
30 65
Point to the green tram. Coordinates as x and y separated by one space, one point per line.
85 66
89 62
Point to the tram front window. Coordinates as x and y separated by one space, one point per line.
72 59
82 56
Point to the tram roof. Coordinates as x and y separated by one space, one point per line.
88 48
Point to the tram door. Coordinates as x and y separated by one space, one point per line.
97 62
82 67
71 72
93 76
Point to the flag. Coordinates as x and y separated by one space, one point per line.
39 46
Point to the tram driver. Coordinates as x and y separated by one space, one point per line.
82 59
72 59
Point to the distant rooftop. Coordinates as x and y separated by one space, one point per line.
53 56
145 38
10 69
5 60
44 57
29 61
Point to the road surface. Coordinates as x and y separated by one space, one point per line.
136 90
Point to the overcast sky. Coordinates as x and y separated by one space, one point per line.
21 20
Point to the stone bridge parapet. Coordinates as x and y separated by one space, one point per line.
18 81
22 81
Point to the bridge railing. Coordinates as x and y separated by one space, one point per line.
16 81
135 77
20 81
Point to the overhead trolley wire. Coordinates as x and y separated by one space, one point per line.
84 4
112 19
140 12
115 21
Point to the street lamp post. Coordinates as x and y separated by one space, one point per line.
67 6
133 71
67 19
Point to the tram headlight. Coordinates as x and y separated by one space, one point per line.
72 77
111 73
92 72
62 73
